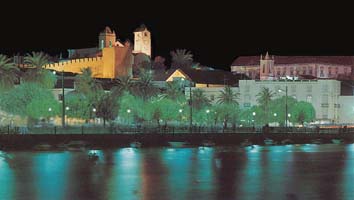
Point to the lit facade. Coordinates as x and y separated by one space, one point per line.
110 59
274 67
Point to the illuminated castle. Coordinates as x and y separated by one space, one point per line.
110 59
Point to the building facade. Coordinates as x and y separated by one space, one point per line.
275 67
110 59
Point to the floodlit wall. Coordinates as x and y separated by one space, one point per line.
115 61
346 110
76 65
322 94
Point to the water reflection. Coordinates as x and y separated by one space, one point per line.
271 172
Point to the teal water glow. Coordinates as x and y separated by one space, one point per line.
262 172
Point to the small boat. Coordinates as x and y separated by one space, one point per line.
246 143
135 144
76 146
287 141
317 141
92 156
42 147
337 141
208 144
177 144
269 141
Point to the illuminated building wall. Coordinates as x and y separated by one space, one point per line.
142 40
274 67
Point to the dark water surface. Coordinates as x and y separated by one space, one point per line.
275 172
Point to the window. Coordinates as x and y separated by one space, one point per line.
329 71
145 34
303 70
60 97
110 43
345 70
321 72
309 99
324 88
291 71
263 68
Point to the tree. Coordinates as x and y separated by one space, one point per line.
122 84
159 63
29 100
144 87
264 98
228 96
106 108
228 105
181 58
8 72
303 112
199 99
174 91
79 106
89 88
36 73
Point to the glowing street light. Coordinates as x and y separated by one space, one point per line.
67 108
275 114
207 111
286 104
128 111
49 109
180 110
94 109
254 113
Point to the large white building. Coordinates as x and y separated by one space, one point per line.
324 95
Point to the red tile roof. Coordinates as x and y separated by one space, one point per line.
254 60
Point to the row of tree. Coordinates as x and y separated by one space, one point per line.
136 101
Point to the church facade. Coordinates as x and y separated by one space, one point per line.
276 67
110 59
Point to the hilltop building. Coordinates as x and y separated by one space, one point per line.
277 67
110 59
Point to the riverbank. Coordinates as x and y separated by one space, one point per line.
28 141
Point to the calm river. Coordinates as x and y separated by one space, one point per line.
275 172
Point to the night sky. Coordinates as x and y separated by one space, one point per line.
215 34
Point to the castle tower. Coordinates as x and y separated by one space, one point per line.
142 40
107 38
266 68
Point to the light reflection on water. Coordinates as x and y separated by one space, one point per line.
262 172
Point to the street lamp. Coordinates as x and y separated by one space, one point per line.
253 120
286 105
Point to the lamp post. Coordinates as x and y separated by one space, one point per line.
254 114
286 105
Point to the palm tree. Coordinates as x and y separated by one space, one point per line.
228 102
228 96
36 61
8 72
84 82
122 84
173 91
199 99
181 58
144 87
264 98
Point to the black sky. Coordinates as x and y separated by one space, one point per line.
215 33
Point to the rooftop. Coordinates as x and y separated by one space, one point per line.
255 60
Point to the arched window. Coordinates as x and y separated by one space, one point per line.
102 44
110 43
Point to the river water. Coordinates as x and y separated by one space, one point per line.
264 172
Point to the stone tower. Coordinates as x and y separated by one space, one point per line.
107 38
142 40
266 68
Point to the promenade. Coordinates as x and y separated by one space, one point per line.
100 137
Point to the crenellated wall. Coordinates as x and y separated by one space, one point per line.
76 65
115 61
